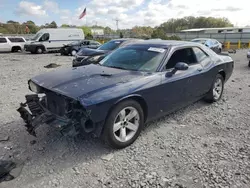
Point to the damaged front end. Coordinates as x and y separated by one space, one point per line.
63 113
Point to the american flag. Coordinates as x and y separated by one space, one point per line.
82 14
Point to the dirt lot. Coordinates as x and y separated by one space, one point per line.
200 146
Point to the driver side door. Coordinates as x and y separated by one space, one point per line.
176 91
45 40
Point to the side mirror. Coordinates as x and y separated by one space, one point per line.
179 66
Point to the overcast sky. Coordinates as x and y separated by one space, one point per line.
129 12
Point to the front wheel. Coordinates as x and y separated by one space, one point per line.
39 50
216 90
73 52
124 124
249 63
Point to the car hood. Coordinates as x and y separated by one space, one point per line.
31 42
86 80
91 52
69 45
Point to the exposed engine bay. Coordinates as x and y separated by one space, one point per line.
63 113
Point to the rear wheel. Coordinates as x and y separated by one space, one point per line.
216 90
124 124
15 49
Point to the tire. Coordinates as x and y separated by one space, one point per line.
15 49
130 128
39 50
73 52
249 64
219 84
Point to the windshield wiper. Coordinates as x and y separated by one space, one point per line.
117 67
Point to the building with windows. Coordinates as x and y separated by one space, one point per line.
96 31
218 30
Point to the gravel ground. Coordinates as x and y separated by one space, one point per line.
202 145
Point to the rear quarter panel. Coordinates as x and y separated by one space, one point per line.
220 62
225 64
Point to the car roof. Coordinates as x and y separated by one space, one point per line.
125 39
164 43
11 37
203 39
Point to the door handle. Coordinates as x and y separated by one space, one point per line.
200 69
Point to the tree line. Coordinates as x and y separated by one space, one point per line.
170 26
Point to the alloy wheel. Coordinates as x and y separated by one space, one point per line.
217 90
126 124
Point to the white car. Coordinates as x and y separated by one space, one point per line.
12 44
248 57
213 44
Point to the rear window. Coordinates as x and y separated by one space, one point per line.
94 43
199 41
16 39
111 45
3 40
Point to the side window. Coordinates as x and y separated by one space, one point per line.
12 39
45 37
21 40
185 55
200 55
215 42
209 43
3 40
86 43
93 43
16 39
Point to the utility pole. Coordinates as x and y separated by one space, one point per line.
117 22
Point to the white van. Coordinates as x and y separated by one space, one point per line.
53 39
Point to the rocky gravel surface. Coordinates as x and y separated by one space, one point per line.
203 145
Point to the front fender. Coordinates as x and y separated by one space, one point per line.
128 97
98 113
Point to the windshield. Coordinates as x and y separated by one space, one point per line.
199 41
146 59
37 36
111 45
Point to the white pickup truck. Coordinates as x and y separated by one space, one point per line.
11 44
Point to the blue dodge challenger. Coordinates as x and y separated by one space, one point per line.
128 88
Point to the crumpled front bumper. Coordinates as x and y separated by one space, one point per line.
35 114
65 51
